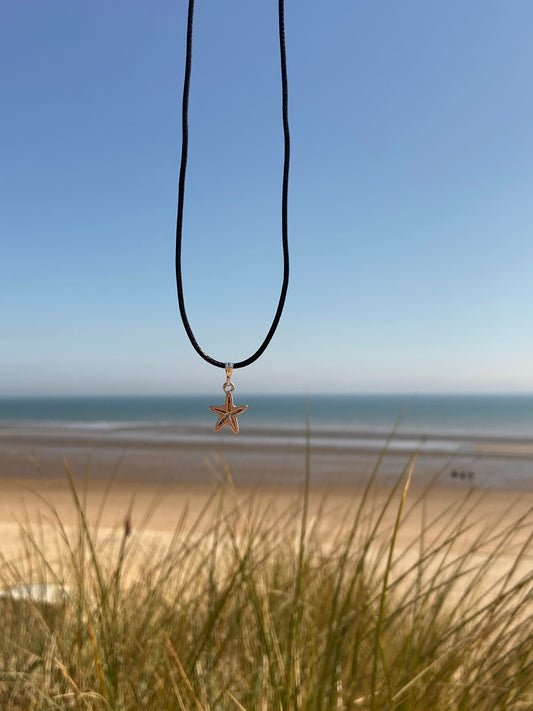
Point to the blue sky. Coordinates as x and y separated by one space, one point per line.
410 201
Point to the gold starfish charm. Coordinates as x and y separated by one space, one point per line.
228 413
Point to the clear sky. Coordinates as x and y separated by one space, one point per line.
410 201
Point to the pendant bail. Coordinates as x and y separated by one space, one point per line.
229 372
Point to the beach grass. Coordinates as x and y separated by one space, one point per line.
248 607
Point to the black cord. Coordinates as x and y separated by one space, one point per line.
181 193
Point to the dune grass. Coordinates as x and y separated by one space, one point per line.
247 608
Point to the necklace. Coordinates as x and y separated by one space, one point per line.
228 412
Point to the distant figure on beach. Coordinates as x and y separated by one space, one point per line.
463 474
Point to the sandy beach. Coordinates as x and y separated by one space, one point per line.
162 480
187 460
157 507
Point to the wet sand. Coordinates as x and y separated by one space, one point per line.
192 455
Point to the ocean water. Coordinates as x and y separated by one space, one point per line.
463 415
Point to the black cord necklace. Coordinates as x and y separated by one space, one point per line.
228 412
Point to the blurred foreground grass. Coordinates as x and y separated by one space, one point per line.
248 608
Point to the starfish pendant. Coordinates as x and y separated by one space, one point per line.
228 413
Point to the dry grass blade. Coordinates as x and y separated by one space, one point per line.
179 666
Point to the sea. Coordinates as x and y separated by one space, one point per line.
498 415
486 434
